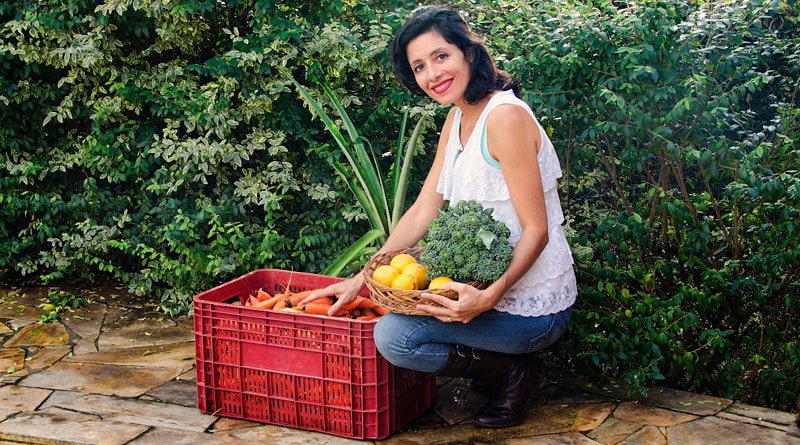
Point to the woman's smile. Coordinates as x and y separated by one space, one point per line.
442 87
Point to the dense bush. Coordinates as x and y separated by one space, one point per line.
157 144
679 122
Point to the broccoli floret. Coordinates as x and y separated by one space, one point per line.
466 244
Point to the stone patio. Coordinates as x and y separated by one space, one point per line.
118 372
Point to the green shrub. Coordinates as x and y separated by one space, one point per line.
676 121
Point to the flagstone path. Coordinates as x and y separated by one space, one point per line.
118 372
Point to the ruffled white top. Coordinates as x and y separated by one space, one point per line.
470 173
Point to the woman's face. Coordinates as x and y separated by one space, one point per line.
440 67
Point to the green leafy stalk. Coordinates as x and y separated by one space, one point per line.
364 177
402 169
352 253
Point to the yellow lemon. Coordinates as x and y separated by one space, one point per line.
402 260
404 281
417 271
439 282
384 274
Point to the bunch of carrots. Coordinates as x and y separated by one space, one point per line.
361 308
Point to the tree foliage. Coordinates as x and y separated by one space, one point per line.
156 143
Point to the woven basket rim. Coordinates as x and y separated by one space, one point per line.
400 300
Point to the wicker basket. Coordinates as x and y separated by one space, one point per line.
399 300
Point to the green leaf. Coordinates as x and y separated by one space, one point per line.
352 253
487 237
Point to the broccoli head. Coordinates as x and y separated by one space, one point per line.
466 244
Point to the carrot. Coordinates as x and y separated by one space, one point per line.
380 310
268 303
262 295
318 307
280 304
296 297
368 314
250 301
353 304
365 303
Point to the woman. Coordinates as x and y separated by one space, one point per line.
493 150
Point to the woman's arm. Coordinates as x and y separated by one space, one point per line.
514 140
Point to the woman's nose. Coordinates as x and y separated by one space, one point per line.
433 72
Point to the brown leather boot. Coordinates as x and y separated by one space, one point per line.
506 405
514 379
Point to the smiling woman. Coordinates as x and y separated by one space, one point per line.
493 151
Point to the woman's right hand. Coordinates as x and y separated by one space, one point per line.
344 292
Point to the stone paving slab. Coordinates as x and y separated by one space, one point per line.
46 357
11 359
650 415
227 424
61 426
159 436
38 334
177 392
141 412
686 402
714 430
650 435
88 322
174 355
572 438
57 397
272 434
17 399
125 381
21 307
614 430
759 416
128 333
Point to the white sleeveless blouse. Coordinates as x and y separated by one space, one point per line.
470 173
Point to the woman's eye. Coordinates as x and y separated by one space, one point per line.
441 56
417 68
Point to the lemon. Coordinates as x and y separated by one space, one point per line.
404 281
384 274
417 271
402 260
439 282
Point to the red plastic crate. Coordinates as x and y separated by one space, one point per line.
298 370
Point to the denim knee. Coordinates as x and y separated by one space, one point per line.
382 334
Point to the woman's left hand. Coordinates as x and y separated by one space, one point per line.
469 304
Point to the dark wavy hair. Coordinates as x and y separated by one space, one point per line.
485 76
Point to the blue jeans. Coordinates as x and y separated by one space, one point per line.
423 343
